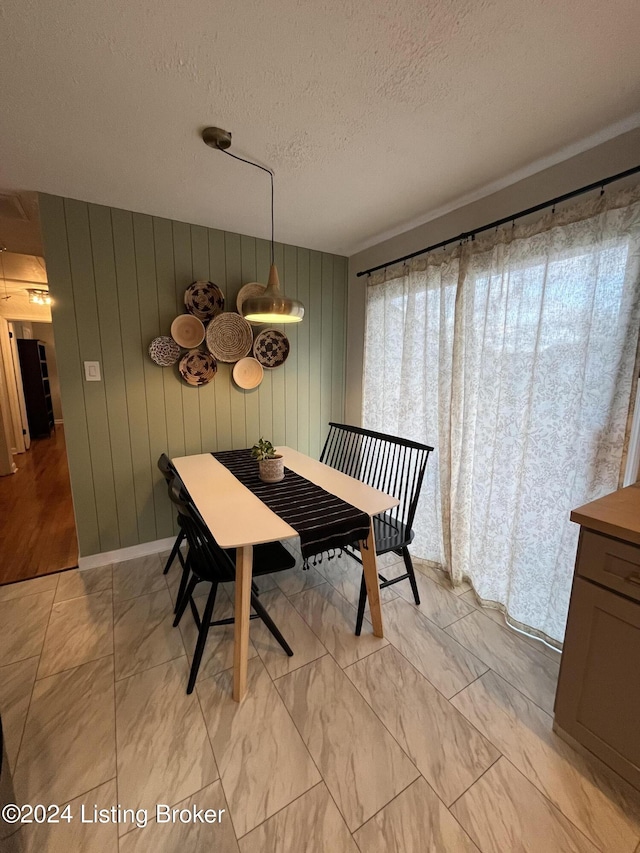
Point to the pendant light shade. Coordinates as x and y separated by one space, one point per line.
272 306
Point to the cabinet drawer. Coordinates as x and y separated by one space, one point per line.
609 562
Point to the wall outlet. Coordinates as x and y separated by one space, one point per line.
92 371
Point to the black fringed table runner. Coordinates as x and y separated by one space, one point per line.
322 520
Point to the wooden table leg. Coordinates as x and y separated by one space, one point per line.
244 564
369 565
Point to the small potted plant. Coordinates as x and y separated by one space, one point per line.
270 463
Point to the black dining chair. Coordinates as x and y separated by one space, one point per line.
169 472
395 466
210 563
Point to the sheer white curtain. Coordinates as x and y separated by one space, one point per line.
407 376
514 357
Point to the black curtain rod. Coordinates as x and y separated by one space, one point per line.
466 234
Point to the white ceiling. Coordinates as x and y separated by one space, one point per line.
373 114
18 273
20 222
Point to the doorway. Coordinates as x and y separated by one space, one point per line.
37 524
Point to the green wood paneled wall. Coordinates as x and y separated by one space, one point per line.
118 280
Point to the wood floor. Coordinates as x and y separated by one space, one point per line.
37 527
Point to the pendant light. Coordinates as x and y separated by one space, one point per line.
272 306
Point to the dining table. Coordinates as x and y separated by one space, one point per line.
237 518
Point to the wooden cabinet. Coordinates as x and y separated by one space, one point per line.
598 699
35 382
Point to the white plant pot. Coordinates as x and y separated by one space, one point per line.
271 470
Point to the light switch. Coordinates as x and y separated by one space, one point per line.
92 371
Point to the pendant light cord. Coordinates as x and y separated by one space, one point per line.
270 173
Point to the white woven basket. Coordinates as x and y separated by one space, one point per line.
229 337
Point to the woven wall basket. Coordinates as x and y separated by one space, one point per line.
164 351
248 291
229 337
204 300
197 367
271 348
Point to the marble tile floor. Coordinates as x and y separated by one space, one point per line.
436 738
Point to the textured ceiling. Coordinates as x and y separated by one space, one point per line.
372 114
20 227
18 273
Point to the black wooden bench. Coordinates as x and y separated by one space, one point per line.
392 465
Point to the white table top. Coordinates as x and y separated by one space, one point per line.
236 517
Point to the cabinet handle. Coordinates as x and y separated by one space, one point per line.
634 578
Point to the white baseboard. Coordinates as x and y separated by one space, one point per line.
119 556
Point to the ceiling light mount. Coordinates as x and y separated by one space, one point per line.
39 296
216 137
